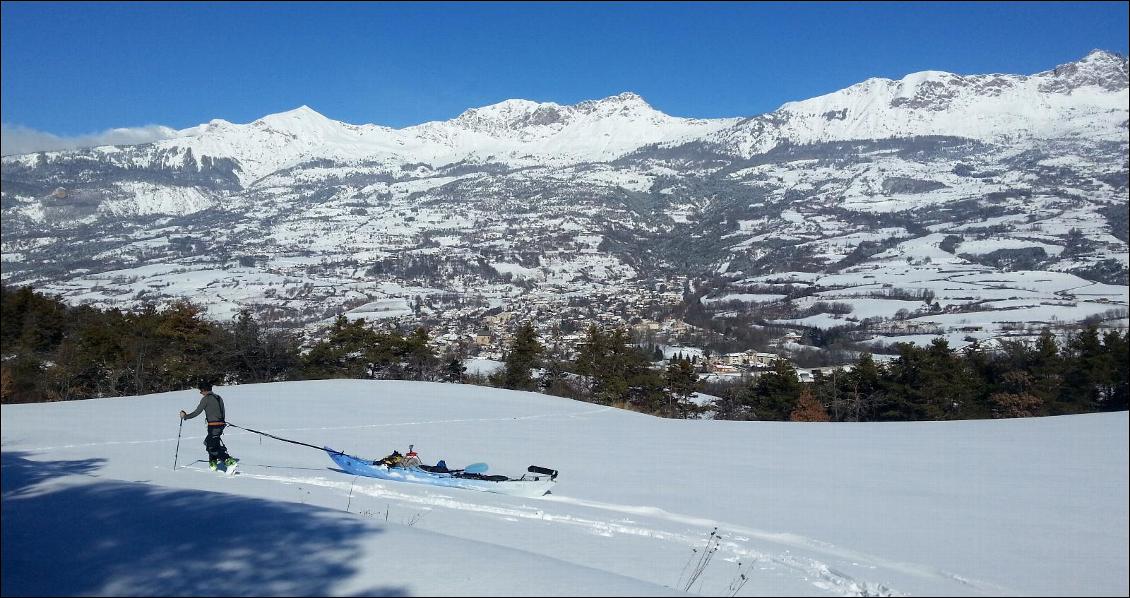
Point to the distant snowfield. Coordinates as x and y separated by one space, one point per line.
744 298
378 310
993 300
991 245
92 504
483 367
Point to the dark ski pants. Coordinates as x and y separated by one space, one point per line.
215 445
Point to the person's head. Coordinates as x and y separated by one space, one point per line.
204 387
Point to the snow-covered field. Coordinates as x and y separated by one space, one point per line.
92 504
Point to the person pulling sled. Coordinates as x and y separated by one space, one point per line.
213 407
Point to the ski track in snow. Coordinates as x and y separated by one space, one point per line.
736 541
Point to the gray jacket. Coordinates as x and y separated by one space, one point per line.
213 407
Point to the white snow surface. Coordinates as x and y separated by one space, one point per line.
93 505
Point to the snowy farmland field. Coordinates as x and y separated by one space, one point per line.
93 506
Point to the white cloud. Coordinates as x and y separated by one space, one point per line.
18 139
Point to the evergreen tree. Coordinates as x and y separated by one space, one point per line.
682 382
81 362
774 394
949 388
1046 368
553 380
615 370
257 354
21 373
455 370
248 356
728 407
387 355
1119 352
521 358
143 351
643 387
862 386
590 354
619 372
189 346
347 351
1083 373
930 383
31 322
419 356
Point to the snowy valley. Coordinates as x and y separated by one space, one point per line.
971 207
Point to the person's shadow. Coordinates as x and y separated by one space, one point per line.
103 537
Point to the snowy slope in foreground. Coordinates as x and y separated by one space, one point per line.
92 505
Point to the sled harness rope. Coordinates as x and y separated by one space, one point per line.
285 439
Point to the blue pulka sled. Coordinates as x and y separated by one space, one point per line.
530 486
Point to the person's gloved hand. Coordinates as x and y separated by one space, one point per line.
182 414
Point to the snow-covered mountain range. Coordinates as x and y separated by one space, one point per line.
908 184
513 132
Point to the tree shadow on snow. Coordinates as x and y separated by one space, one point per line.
119 538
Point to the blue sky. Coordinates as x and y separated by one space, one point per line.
75 68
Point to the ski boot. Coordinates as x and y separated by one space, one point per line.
212 464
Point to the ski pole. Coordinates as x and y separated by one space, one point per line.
176 454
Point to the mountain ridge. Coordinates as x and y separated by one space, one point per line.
935 182
983 106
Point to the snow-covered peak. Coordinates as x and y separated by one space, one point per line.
281 140
1104 59
1084 98
512 116
213 126
624 102
503 109
1102 69
590 130
509 115
300 121
301 112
